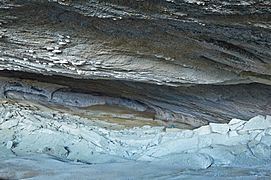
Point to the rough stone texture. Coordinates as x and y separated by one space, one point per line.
258 122
207 50
72 137
47 167
76 75
160 42
219 128
183 107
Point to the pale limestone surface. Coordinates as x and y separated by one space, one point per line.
74 138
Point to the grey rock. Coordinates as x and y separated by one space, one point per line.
56 51
188 62
49 48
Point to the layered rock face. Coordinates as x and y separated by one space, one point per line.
114 65
160 42
191 62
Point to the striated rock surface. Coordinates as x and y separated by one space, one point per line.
157 86
208 50
183 107
156 41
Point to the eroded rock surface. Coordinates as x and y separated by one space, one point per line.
65 136
183 107
114 45
80 80
160 42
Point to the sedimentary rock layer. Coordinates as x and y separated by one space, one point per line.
80 80
184 107
215 55
160 42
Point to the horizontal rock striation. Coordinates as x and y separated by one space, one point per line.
160 42
184 107
211 58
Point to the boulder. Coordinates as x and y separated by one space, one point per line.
219 128
220 155
203 130
257 122
236 124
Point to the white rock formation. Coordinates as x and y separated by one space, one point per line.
219 128
258 122
74 138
